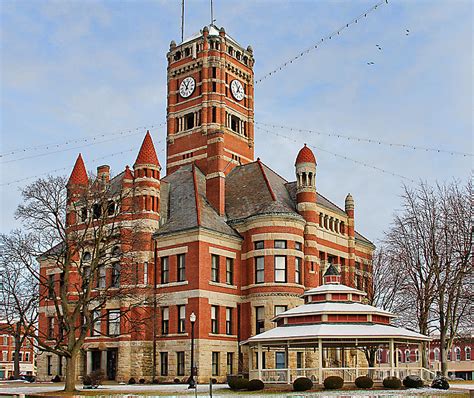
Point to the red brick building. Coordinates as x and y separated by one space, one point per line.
226 237
7 352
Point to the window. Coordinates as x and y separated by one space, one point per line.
110 208
259 319
96 322
280 268
165 320
96 210
215 364
436 354
228 320
468 353
449 355
115 279
259 269
165 270
84 214
5 356
5 340
60 365
101 276
229 271
299 360
399 356
181 318
214 319
280 244
50 327
258 245
230 363
189 121
49 364
51 293
407 355
180 363
298 262
113 322
417 356
164 363
27 357
457 352
215 268
181 268
145 273
278 309
263 360
298 246
20 356
280 362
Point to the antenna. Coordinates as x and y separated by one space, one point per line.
212 14
182 21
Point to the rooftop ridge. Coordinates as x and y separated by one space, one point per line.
266 180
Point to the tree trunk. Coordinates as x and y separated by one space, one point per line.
70 385
16 359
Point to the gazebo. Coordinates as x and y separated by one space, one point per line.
329 334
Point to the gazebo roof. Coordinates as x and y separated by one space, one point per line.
333 331
333 288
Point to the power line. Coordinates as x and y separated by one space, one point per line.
321 41
75 141
340 156
367 140
70 168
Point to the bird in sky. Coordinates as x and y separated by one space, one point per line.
370 63
378 46
407 32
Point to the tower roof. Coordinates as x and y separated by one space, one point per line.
79 173
331 271
305 155
147 153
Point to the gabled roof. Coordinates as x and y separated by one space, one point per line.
331 271
147 153
79 173
184 211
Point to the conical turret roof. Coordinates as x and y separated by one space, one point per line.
79 173
147 154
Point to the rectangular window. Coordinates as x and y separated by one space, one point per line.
259 319
50 327
215 268
165 320
20 356
115 279
298 262
228 320
60 365
180 363
299 360
181 318
230 363
214 87
101 277
49 364
113 322
214 319
51 293
215 364
280 268
229 271
214 114
280 244
280 362
259 269
181 268
96 322
164 363
278 309
264 362
145 273
214 72
5 340
165 270
27 357
258 245
298 246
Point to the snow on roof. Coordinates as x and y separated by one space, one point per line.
333 288
333 308
336 331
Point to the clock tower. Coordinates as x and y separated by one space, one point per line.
210 107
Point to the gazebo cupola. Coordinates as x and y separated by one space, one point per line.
331 276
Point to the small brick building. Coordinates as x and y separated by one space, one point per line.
226 237
7 351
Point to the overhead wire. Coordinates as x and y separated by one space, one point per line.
362 163
366 140
321 41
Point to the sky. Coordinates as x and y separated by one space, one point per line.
93 74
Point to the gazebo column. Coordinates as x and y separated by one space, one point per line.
259 360
392 358
320 360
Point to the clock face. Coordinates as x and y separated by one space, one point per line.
237 90
187 87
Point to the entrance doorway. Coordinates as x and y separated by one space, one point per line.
112 363
95 360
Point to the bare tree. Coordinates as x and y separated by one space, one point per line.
84 240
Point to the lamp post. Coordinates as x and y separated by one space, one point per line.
192 383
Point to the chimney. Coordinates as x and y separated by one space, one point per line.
103 173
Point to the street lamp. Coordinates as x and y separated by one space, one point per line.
192 383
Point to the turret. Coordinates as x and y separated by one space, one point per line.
76 187
331 276
349 208
305 168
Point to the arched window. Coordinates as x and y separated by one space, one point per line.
115 251
399 356
86 257
468 353
407 355
417 355
457 352
449 355
436 354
